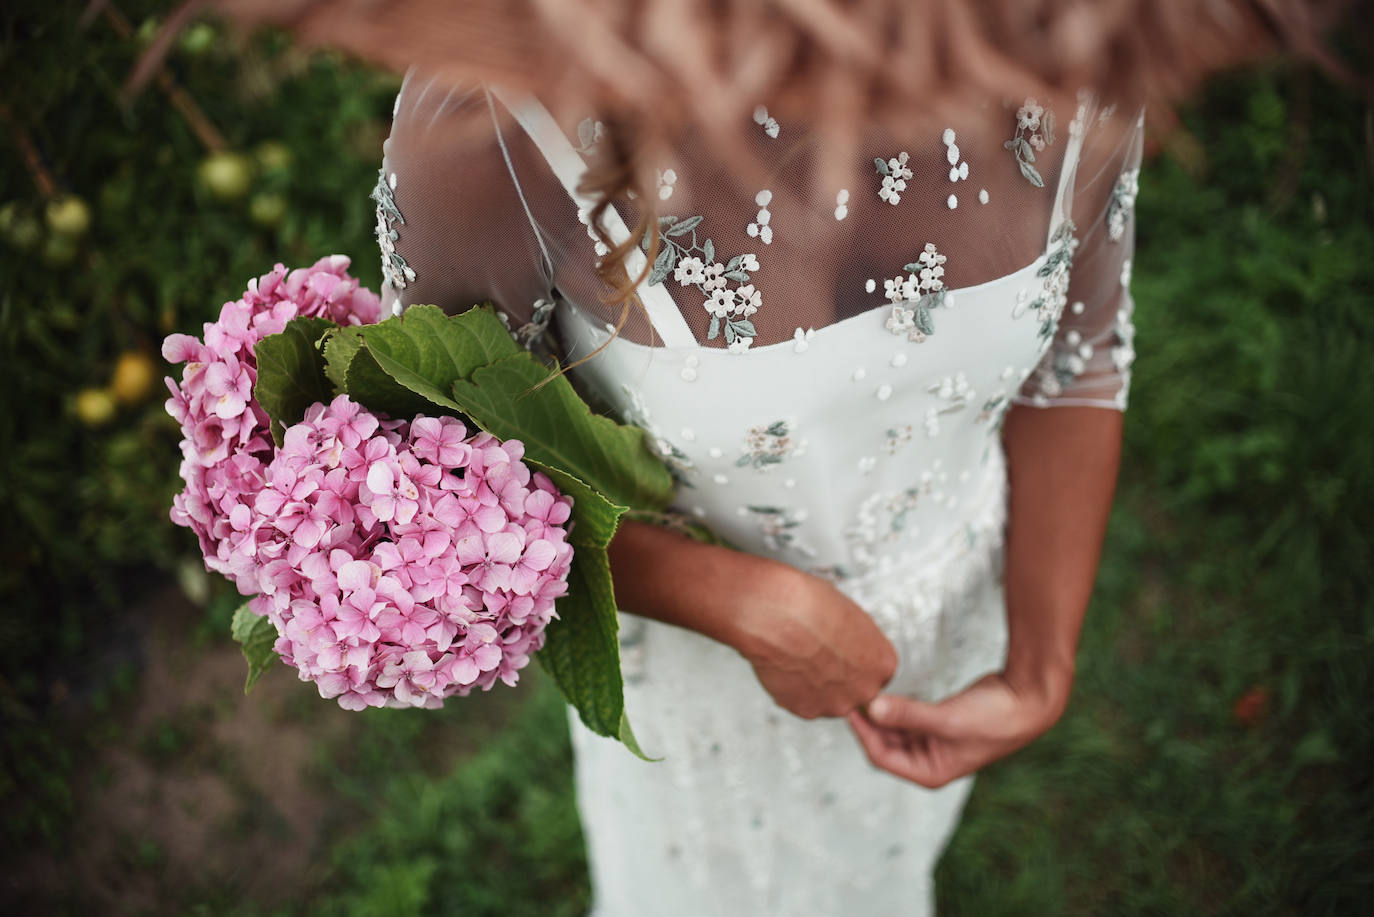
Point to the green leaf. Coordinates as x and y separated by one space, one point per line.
733 263
582 653
737 276
340 347
256 636
559 430
881 166
685 226
663 264
1031 175
912 268
924 321
745 327
408 364
291 374
714 330
708 251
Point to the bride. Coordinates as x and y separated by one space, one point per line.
862 271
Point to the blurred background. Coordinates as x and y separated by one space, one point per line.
1215 758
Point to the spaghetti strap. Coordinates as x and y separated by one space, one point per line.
1063 197
568 166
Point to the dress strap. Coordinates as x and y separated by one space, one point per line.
569 166
1063 196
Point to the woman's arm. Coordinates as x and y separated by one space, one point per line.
815 651
1062 465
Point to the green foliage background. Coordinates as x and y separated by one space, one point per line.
1214 758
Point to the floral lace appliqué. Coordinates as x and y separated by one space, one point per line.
914 296
767 446
895 173
1121 203
769 124
778 525
394 268
1034 132
694 264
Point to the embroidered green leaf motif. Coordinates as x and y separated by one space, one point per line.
256 637
663 264
684 226
923 319
1047 125
737 276
1023 149
291 372
714 331
732 264
912 268
881 166
1032 175
708 250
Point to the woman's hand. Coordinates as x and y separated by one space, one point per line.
816 652
932 744
813 649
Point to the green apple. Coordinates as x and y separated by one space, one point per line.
267 208
95 407
68 215
226 174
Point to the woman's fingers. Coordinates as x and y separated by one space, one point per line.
902 754
892 711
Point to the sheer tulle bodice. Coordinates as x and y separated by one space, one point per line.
827 385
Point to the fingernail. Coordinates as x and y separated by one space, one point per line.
877 708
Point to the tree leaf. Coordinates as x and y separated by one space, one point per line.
684 226
1031 175
256 637
291 374
559 430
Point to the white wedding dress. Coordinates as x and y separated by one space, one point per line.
818 404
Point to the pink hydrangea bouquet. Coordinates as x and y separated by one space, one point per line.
416 506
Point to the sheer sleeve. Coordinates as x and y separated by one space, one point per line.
453 224
1089 360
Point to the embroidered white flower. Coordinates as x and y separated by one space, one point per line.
801 340
395 271
721 302
749 299
689 272
748 263
1028 116
895 173
585 219
739 345
760 228
713 277
770 125
842 204
666 179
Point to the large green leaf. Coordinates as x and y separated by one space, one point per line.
256 636
340 347
581 650
426 351
291 374
372 387
558 429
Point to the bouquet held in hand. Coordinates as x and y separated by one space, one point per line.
416 506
